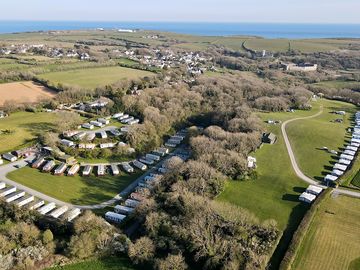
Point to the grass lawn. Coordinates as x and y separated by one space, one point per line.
94 77
274 194
112 263
307 136
77 189
24 128
333 239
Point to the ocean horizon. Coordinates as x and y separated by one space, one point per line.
265 30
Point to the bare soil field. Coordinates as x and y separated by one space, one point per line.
24 92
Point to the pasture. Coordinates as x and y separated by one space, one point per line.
333 238
24 92
91 78
75 189
24 128
308 136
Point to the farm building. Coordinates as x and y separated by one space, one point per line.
87 126
139 165
25 200
36 204
115 169
74 170
73 214
101 170
6 191
60 169
269 138
315 190
87 170
96 123
47 208
103 121
307 197
14 196
123 209
48 166
340 167
9 157
37 163
131 203
127 168
58 212
67 143
114 217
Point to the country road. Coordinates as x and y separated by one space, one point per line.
294 164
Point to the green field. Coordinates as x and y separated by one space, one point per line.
100 264
333 239
339 84
24 128
93 77
76 189
309 135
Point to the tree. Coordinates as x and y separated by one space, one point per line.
47 237
82 246
172 262
142 250
67 120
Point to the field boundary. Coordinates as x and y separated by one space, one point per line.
301 231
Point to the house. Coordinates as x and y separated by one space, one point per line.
146 161
6 191
307 197
133 122
67 143
348 157
9 157
114 217
251 162
152 157
2 185
269 138
1 161
36 204
315 190
117 115
337 172
344 161
349 152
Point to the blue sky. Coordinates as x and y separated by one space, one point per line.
300 11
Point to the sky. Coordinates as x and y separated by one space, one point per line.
275 11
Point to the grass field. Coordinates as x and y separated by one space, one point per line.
307 136
24 128
24 92
100 264
338 84
77 189
93 77
333 239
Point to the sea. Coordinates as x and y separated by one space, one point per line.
266 30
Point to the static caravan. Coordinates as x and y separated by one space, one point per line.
70 133
152 157
117 115
337 172
351 148
87 126
137 197
58 212
354 144
340 167
156 152
127 168
133 122
145 185
177 137
73 170
1 161
9 157
315 190
60 169
307 197
2 185
127 120
143 190
139 165
344 161
146 161
173 141
349 152
131 203
91 136
114 217
115 169
67 143
47 208
124 129
355 141
101 170
170 145
120 209
115 132
149 179
36 204
330 178
48 166
73 214
14 196
124 116
96 123
37 163
103 135
162 170
25 200
348 157
80 135
103 121
6 191
163 150
87 170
